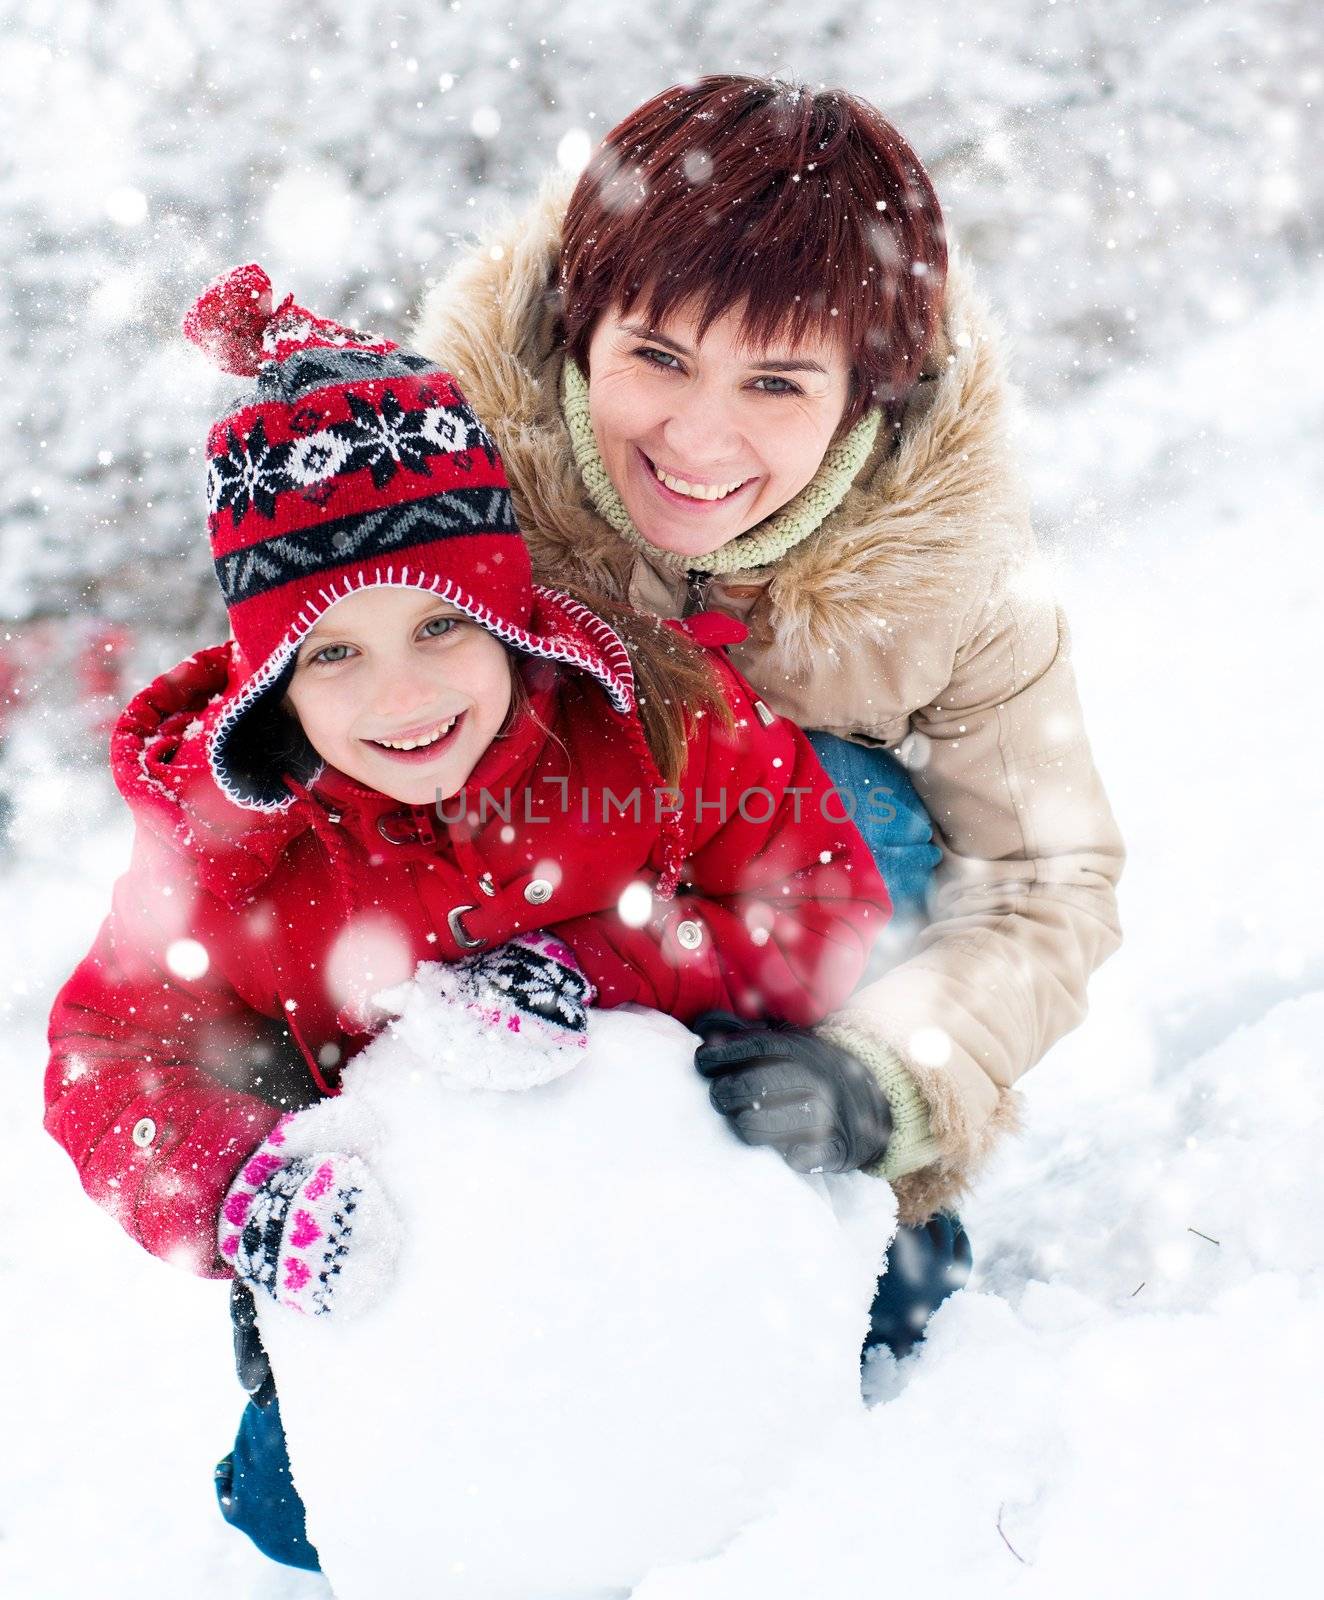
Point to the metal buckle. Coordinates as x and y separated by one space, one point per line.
464 939
406 827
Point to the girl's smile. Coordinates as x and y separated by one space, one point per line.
401 691
421 747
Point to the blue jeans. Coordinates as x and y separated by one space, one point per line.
256 1491
924 1264
878 796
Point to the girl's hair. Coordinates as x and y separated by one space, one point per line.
806 212
673 682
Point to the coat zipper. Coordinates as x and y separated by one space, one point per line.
697 584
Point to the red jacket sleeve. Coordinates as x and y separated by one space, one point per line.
780 901
148 1063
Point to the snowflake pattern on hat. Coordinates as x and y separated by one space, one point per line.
385 439
248 472
356 464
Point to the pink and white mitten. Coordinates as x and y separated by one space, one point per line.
532 986
315 1232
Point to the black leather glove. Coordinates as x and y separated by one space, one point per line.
812 1101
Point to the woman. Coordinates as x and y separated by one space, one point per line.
736 371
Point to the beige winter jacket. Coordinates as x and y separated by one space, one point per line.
917 618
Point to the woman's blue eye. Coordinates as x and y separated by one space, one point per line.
653 357
658 358
444 623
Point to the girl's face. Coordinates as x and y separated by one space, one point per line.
703 438
400 665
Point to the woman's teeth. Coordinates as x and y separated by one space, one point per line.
418 744
697 491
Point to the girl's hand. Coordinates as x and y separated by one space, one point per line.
315 1232
532 986
812 1101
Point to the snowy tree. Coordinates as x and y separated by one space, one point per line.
1121 178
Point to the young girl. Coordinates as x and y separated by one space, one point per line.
409 752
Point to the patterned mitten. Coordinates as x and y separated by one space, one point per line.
314 1232
532 986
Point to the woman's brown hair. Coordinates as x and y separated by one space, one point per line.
806 212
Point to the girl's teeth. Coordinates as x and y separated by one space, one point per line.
417 744
716 491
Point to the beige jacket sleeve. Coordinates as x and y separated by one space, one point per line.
1022 912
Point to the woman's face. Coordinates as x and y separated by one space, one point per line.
400 665
703 438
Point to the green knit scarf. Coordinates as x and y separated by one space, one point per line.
768 540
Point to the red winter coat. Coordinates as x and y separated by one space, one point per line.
230 978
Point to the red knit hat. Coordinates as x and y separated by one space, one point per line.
353 464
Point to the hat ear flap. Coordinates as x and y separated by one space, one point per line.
265 746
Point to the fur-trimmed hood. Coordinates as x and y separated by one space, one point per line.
158 755
931 519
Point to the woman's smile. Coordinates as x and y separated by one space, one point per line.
663 401
697 494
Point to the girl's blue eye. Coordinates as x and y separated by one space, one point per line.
320 655
445 624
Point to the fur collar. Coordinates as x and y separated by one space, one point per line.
932 521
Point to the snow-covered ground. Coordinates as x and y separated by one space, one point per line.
1127 1393
605 1347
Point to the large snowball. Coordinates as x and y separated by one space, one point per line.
613 1332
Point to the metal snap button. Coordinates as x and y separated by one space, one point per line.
538 892
689 935
144 1132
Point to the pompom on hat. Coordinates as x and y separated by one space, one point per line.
355 463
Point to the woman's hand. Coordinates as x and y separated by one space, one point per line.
812 1101
315 1232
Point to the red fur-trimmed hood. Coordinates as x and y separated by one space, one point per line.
159 760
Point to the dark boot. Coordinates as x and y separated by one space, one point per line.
254 1486
250 1357
924 1265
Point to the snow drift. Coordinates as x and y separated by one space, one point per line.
614 1329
